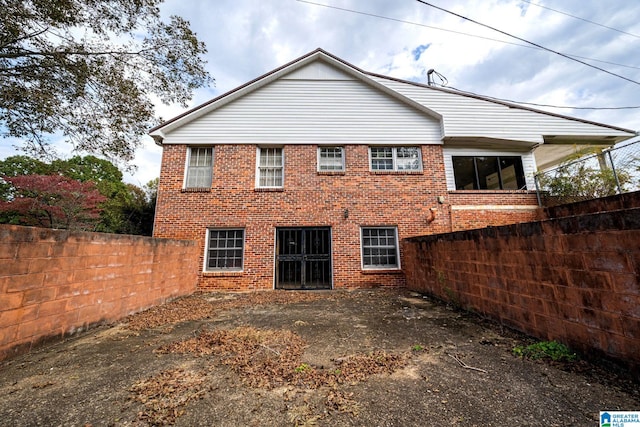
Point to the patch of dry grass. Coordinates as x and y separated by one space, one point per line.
273 358
165 395
192 307
204 305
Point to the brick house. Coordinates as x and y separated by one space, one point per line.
309 176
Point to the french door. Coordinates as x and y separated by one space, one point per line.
303 258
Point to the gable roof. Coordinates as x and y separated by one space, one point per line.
457 111
316 55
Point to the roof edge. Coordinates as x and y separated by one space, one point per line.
236 89
501 102
158 134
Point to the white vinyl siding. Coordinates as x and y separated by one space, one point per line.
528 162
323 112
330 159
466 116
270 173
320 100
199 170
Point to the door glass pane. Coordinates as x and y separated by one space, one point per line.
465 173
512 173
488 176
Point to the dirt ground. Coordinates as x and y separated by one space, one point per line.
362 358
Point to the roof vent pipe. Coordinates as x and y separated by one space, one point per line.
429 78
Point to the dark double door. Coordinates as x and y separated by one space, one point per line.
303 258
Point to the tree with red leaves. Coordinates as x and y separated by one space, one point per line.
52 201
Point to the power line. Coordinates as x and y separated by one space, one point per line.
582 19
490 39
592 59
406 22
529 42
457 32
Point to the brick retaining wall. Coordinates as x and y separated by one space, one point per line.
573 279
603 204
56 282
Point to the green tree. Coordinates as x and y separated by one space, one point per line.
23 165
19 165
52 201
108 180
106 176
123 208
139 209
583 178
87 69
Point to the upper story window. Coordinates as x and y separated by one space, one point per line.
330 159
225 250
380 248
395 159
270 172
199 171
489 173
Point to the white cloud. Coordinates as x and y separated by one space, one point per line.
247 38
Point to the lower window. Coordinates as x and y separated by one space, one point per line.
225 250
380 248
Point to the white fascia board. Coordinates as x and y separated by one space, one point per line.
158 136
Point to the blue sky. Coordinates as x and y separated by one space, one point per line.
405 38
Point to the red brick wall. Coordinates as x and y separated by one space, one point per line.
573 279
55 282
478 209
308 199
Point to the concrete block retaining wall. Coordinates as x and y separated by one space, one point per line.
56 282
573 279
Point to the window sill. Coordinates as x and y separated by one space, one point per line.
222 273
331 172
269 189
381 271
197 190
397 172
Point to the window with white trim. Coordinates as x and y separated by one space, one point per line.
199 171
395 159
225 250
330 159
488 173
270 167
380 248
